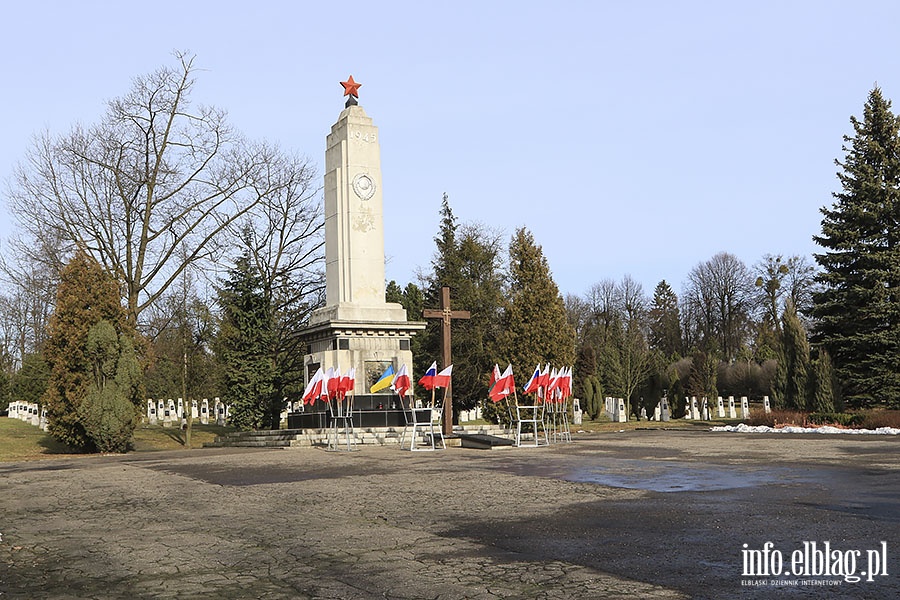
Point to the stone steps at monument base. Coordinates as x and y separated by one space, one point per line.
307 438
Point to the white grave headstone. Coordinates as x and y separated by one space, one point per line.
577 415
695 410
179 412
151 412
687 408
622 414
194 411
745 408
704 410
666 412
220 413
657 412
720 406
766 406
643 414
204 412
732 413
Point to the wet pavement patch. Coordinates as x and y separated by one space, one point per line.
666 476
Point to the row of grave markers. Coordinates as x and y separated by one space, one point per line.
29 412
702 411
617 411
157 411
167 412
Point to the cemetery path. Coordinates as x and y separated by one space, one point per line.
649 514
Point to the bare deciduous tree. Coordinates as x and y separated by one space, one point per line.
284 239
719 294
156 176
25 309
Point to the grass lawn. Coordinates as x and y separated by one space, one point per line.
21 441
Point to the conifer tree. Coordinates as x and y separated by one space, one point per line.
108 411
467 260
795 353
393 293
822 394
92 395
778 388
858 308
245 348
665 322
536 330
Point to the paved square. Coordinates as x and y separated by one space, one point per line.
645 514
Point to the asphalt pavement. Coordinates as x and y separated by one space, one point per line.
647 514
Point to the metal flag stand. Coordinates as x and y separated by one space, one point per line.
341 411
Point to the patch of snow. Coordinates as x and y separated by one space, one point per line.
743 428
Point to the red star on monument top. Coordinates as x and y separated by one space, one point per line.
351 88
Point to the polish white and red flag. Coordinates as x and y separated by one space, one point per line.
334 382
442 379
544 382
503 386
313 388
552 390
401 383
348 382
565 384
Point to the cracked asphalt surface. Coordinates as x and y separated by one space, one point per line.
647 514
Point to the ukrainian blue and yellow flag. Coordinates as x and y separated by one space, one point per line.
384 381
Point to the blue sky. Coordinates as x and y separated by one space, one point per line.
634 138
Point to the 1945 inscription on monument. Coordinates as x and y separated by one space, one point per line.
360 136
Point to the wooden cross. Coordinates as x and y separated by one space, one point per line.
447 316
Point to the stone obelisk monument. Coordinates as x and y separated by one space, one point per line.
356 327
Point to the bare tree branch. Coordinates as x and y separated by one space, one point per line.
157 176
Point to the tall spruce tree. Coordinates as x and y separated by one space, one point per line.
665 322
536 330
857 309
245 347
468 261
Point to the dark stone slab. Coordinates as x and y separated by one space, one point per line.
482 441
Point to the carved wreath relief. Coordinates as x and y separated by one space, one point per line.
363 186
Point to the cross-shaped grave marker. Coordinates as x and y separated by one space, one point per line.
447 316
